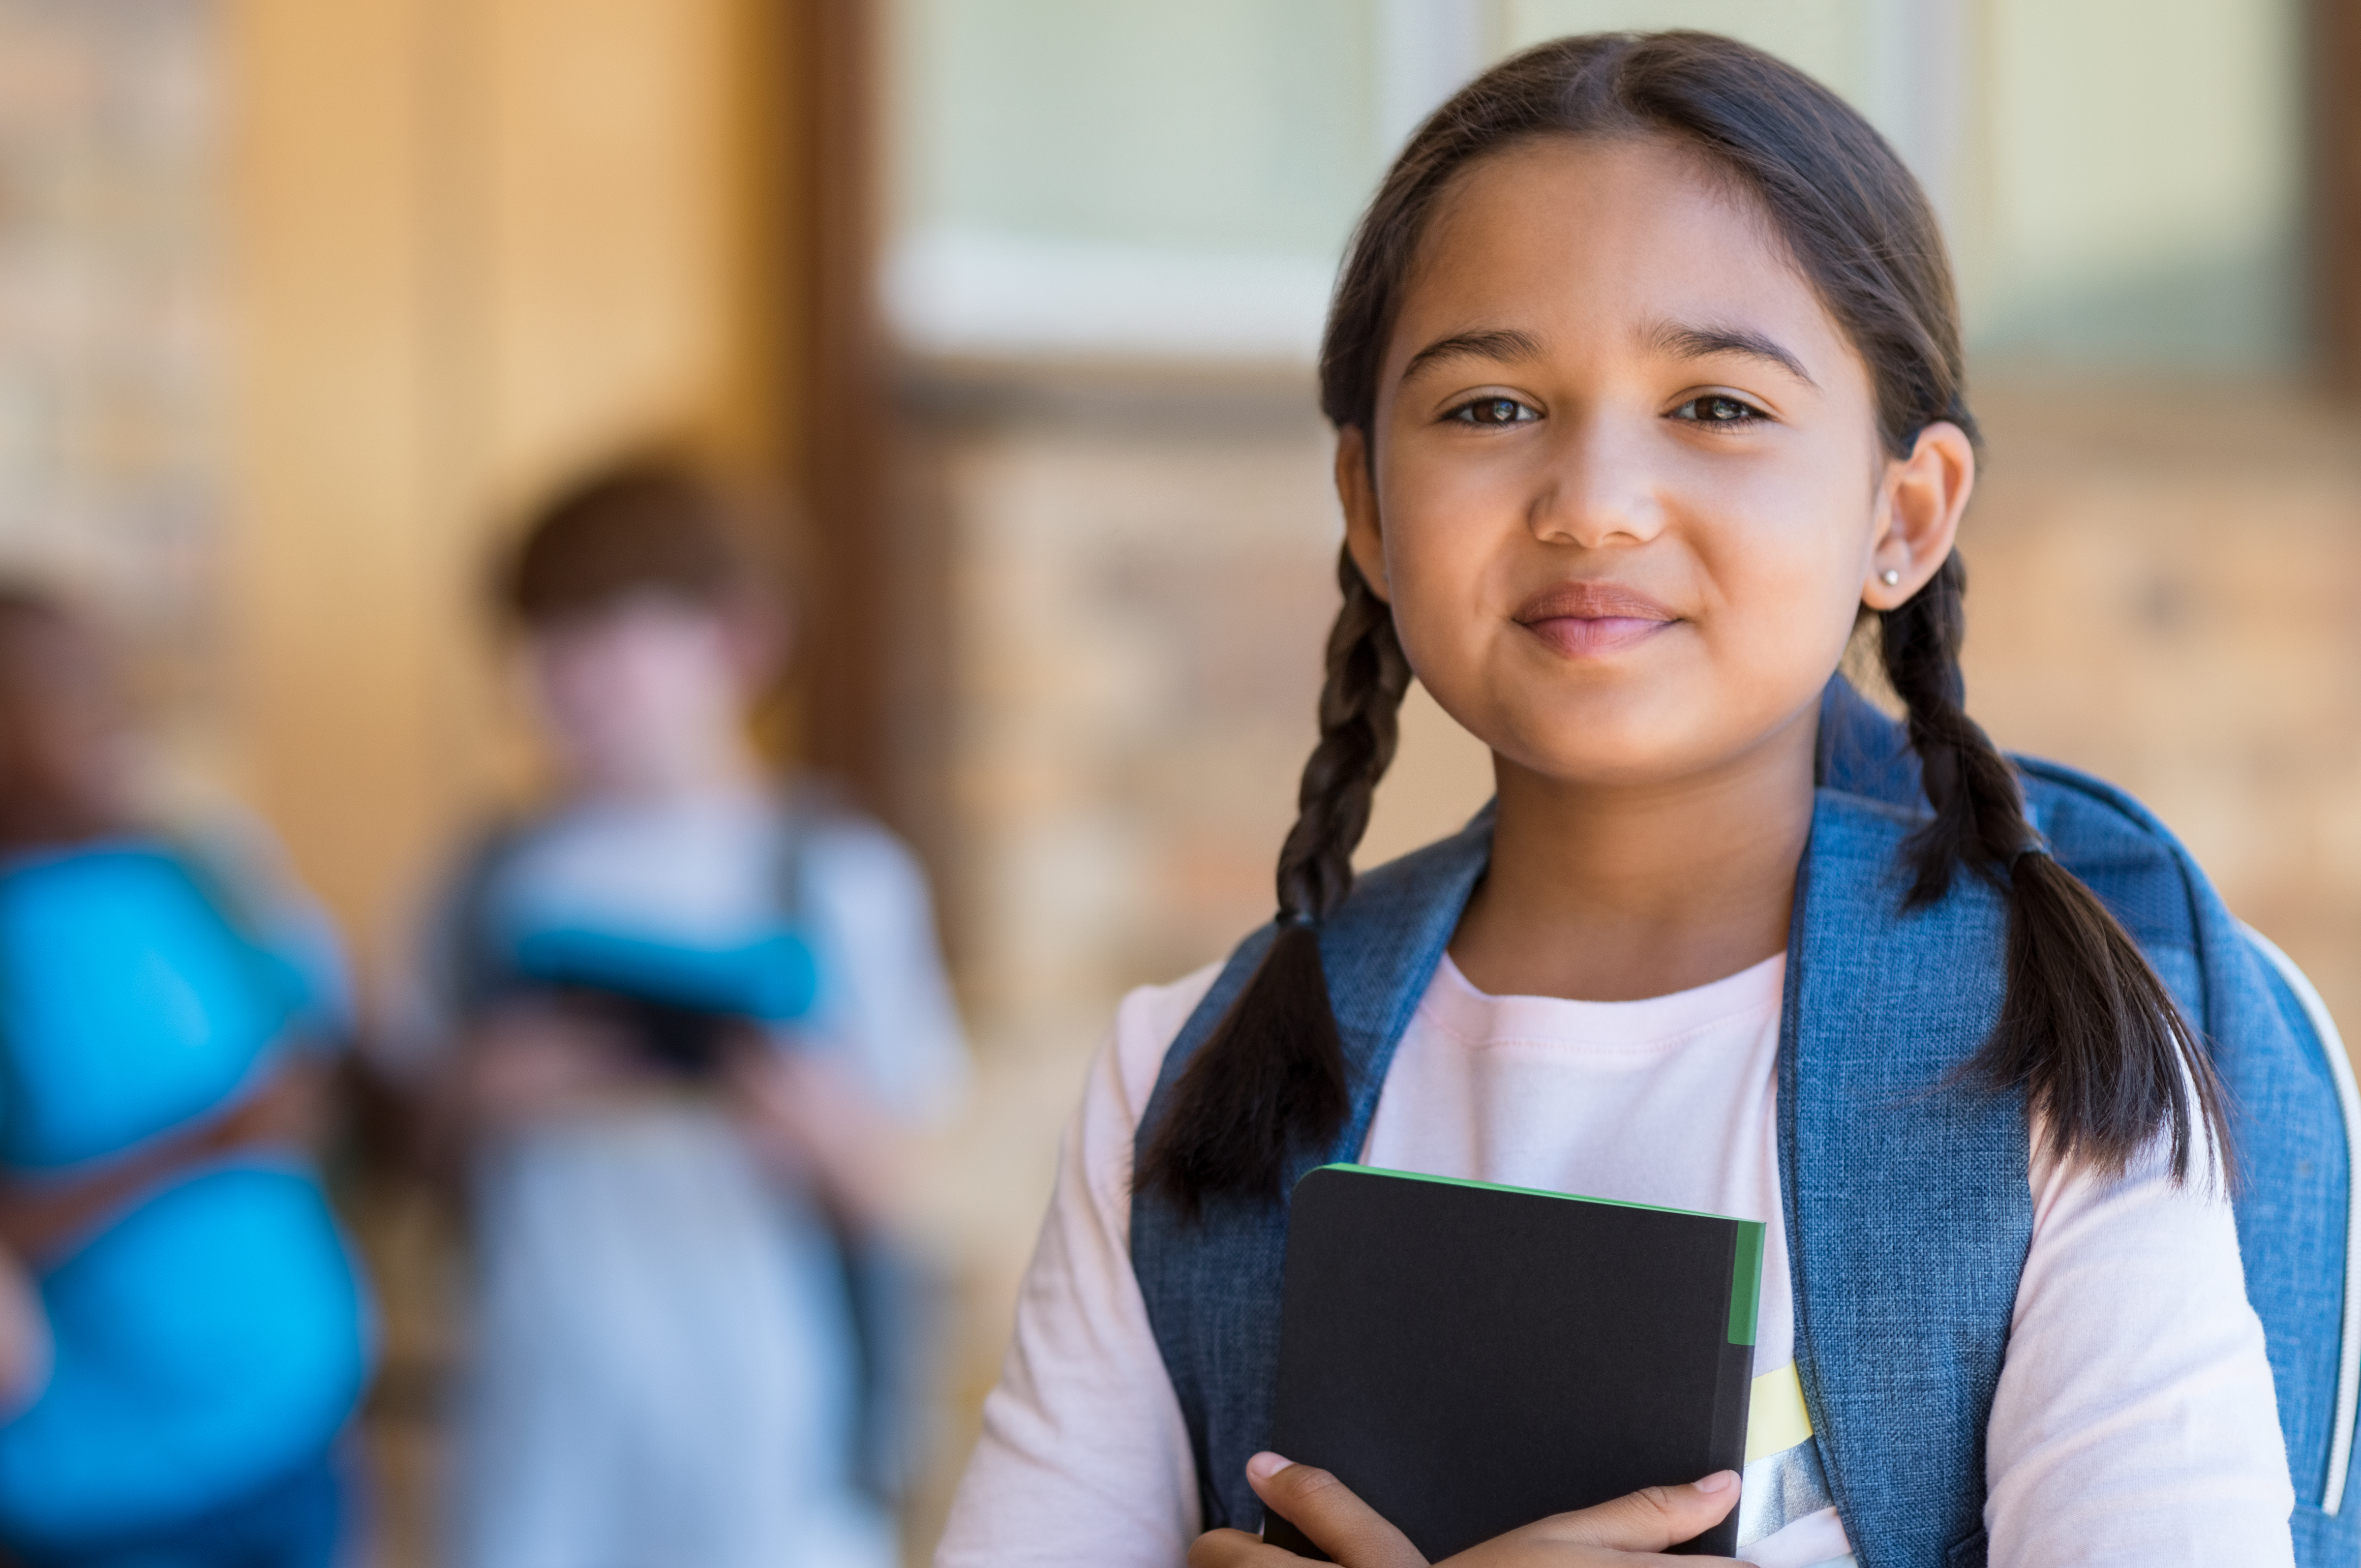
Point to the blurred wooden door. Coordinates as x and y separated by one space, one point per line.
476 245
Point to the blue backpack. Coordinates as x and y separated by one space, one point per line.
215 1334
1883 1154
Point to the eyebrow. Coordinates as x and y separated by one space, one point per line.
1688 342
1503 344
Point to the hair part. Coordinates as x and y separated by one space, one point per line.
2087 1030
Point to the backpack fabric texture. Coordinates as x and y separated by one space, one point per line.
1885 1154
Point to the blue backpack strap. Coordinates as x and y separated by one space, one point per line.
1884 1157
2277 1060
1212 1285
2332 1528
2289 1133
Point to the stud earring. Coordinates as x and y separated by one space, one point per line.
1890 577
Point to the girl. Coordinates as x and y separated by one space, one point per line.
1648 390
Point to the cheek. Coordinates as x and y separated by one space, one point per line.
594 703
1452 537
629 683
1786 584
568 685
684 680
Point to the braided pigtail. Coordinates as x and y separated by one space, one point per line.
2087 1028
1271 1076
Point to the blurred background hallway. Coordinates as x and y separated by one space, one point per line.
1011 303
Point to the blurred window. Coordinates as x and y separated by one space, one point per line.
111 399
2121 178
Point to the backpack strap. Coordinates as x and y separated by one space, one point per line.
890 1297
465 958
1885 1155
2279 1061
808 808
2306 1014
1213 1286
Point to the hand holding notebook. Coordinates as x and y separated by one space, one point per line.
1617 1534
1520 1374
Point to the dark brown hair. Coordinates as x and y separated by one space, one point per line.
2086 1029
647 526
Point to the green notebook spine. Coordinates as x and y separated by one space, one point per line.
1746 1282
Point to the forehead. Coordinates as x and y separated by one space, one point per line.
1594 242
639 615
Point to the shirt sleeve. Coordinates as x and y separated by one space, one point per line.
418 1012
2136 1421
883 987
1085 1459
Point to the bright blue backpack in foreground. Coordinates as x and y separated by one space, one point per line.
212 1335
1883 1154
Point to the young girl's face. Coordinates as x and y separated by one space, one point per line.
1629 494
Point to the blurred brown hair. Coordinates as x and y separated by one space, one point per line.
59 717
648 526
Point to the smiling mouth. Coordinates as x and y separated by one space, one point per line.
1589 619
1579 637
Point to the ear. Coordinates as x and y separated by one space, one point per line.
1919 501
1356 492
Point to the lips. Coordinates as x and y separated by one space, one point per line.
1589 619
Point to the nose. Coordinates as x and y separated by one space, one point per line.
1598 487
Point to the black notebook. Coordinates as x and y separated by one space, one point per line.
1470 1358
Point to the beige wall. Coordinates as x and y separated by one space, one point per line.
475 243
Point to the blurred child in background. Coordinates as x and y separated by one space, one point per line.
184 1334
685 1013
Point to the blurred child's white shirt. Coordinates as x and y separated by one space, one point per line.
2135 1422
663 1365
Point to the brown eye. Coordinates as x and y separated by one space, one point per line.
1492 412
1716 409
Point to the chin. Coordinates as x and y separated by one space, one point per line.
1614 744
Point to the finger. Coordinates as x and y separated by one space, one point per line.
1653 1518
1236 1549
1325 1510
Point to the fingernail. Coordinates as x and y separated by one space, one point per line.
1263 1466
1720 1481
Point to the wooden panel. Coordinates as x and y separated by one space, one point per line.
2335 63
873 606
480 243
612 203
336 604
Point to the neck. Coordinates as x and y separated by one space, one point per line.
725 768
1616 893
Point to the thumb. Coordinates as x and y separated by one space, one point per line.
1651 1518
1330 1515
